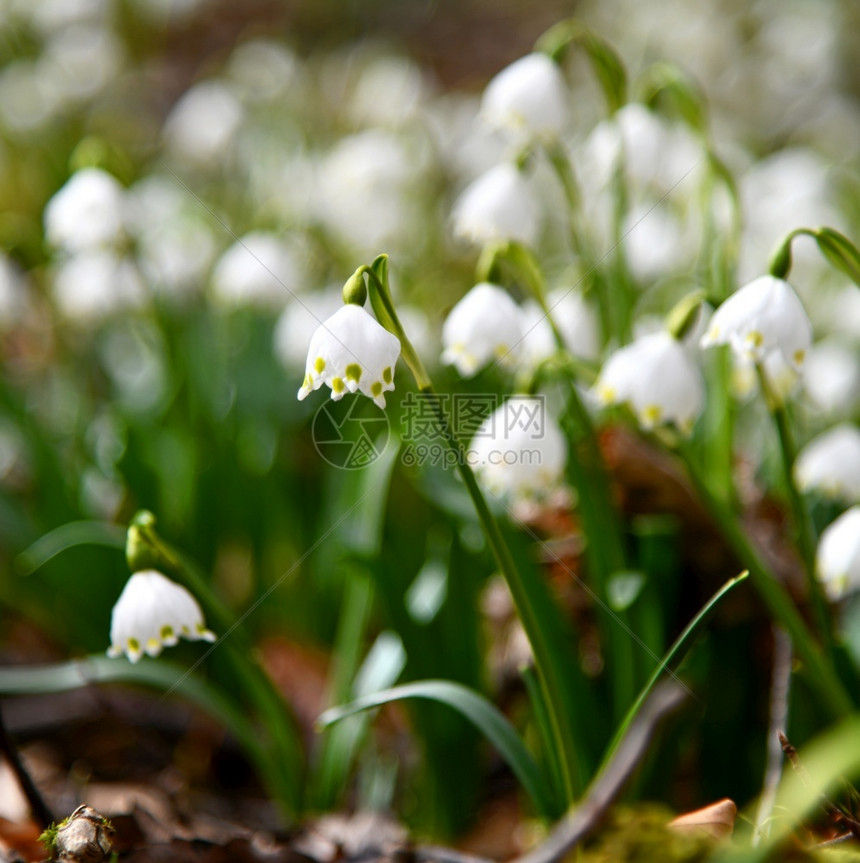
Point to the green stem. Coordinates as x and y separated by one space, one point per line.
821 673
800 514
550 665
280 724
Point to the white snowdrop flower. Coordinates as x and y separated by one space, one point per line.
657 378
830 463
260 270
86 213
529 96
151 613
485 325
831 376
654 242
299 321
519 452
576 322
763 317
782 379
91 287
837 561
351 352
203 123
498 205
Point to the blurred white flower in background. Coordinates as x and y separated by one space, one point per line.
262 270
87 213
485 326
831 375
529 98
175 245
351 352
265 70
576 321
387 91
80 61
152 613
837 559
656 243
27 98
657 378
519 453
782 379
93 286
499 205
763 317
366 191
202 126
830 464
786 190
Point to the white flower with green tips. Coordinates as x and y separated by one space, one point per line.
351 352
837 560
763 317
486 325
656 377
152 613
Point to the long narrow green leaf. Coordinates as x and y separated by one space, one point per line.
478 710
68 536
157 674
672 660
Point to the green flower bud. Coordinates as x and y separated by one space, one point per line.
684 315
355 289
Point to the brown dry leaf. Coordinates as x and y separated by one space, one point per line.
716 820
20 840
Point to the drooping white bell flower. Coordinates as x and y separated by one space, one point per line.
831 375
497 206
782 378
830 463
657 378
519 452
87 213
764 316
351 352
529 96
837 560
151 613
485 325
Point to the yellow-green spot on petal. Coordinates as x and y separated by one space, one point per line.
387 375
376 388
651 414
153 643
133 645
755 338
308 381
337 385
353 372
166 633
799 357
607 394
502 351
319 365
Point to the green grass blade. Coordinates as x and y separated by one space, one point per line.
68 536
671 660
478 710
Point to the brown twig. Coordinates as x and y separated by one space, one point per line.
583 819
40 810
